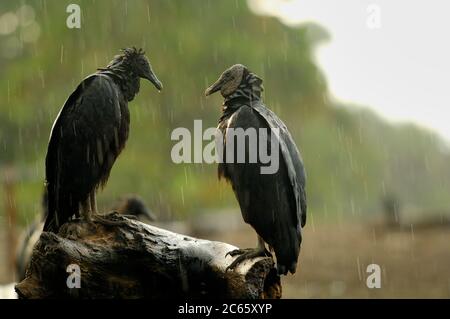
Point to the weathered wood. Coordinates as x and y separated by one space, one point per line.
130 259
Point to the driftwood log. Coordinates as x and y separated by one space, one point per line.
123 258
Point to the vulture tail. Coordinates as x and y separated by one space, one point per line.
58 208
287 251
49 210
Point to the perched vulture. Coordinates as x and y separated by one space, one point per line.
88 135
132 205
273 204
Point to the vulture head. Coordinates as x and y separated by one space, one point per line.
135 60
228 81
134 205
233 78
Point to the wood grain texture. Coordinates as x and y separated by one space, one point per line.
123 258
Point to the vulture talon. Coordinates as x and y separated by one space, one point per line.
268 253
236 252
248 253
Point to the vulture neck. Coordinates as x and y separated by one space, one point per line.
247 93
128 82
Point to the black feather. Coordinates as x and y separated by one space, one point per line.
273 204
88 135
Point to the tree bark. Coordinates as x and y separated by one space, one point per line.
123 258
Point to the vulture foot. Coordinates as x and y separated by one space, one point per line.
248 253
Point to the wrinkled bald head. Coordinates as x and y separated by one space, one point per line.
228 81
135 61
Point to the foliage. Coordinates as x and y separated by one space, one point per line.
352 156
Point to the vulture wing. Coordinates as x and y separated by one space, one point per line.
84 143
292 158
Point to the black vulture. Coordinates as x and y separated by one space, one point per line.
273 204
132 205
88 135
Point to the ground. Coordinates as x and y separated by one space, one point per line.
333 261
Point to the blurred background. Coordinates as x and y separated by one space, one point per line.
363 88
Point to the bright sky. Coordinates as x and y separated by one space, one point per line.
401 69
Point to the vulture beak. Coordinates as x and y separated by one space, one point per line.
216 86
152 78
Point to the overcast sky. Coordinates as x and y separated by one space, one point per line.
390 55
